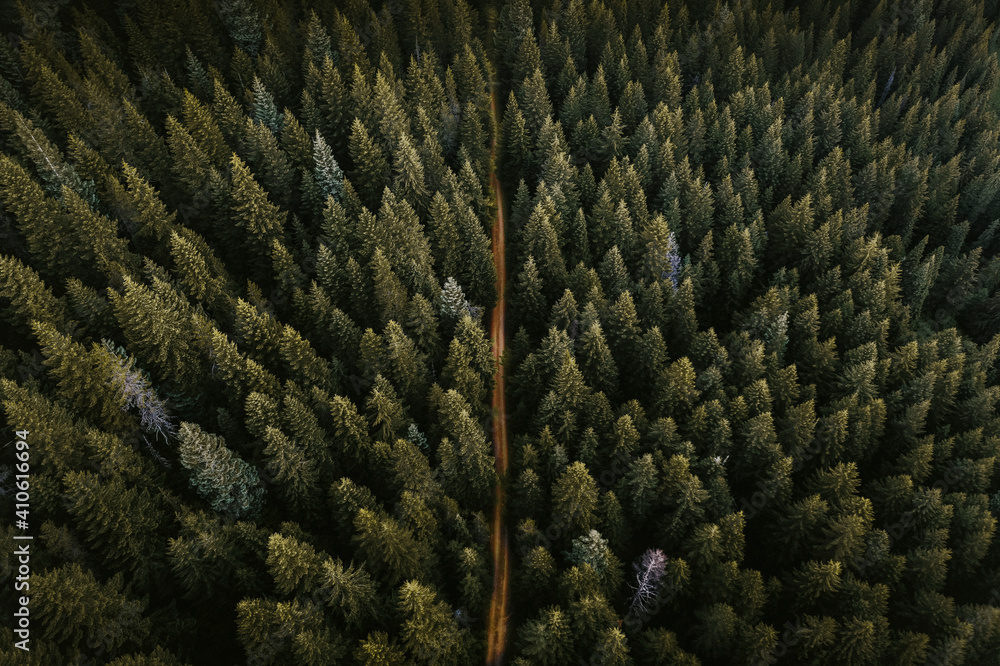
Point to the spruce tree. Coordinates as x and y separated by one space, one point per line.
220 476
329 177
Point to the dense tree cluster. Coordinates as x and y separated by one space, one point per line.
754 320
756 310
245 266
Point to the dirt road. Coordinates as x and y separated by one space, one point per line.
496 636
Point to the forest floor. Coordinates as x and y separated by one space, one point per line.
497 628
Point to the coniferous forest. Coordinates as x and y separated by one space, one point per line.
252 304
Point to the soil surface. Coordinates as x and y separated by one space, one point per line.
497 628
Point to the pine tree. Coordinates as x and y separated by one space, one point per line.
478 269
350 591
228 113
542 241
74 607
192 167
204 130
56 96
371 166
516 20
38 217
466 462
196 266
401 235
527 57
317 39
574 498
377 650
243 24
612 648
567 395
220 476
251 208
430 633
548 639
130 540
295 142
529 299
591 549
389 547
29 297
405 365
156 325
453 302
534 100
47 158
458 374
408 172
472 136
329 177
230 558
293 565
294 473
390 294
385 412
565 313
281 631
271 164
515 149
444 236
265 111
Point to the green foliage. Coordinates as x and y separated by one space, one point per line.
229 484
329 177
752 300
430 633
264 110
74 607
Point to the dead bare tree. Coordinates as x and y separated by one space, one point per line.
649 571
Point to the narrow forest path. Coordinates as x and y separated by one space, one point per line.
496 631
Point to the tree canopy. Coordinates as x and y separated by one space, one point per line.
753 254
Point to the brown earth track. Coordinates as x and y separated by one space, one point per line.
496 630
